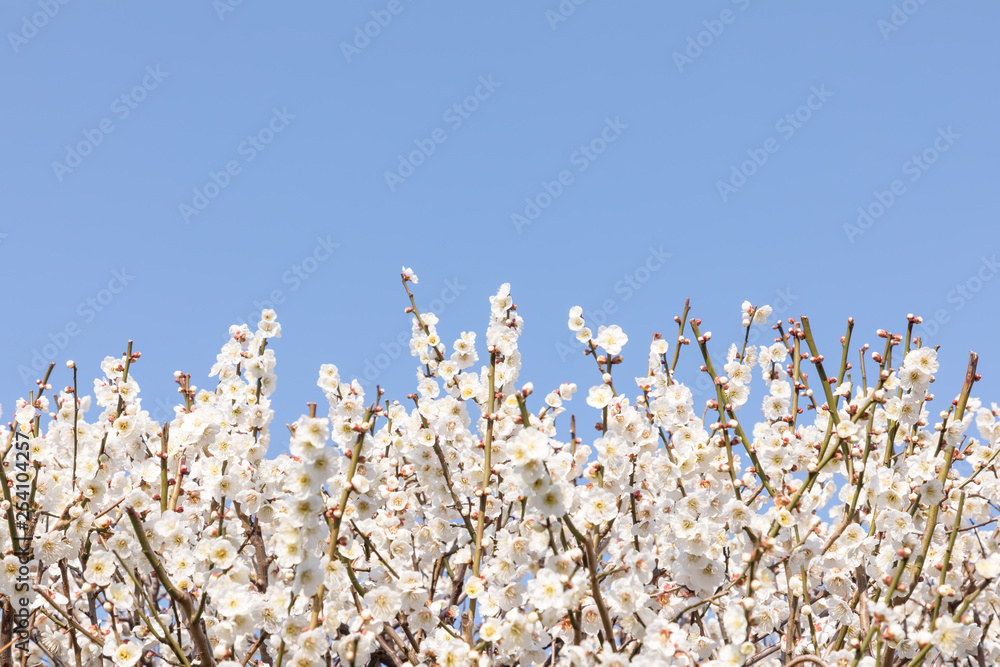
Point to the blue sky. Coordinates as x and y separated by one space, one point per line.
169 169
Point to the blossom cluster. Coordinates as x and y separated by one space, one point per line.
852 524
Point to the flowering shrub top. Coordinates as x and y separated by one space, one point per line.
850 525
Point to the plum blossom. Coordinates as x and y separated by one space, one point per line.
470 520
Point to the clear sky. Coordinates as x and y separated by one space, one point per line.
168 168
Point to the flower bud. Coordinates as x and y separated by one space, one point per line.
894 633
